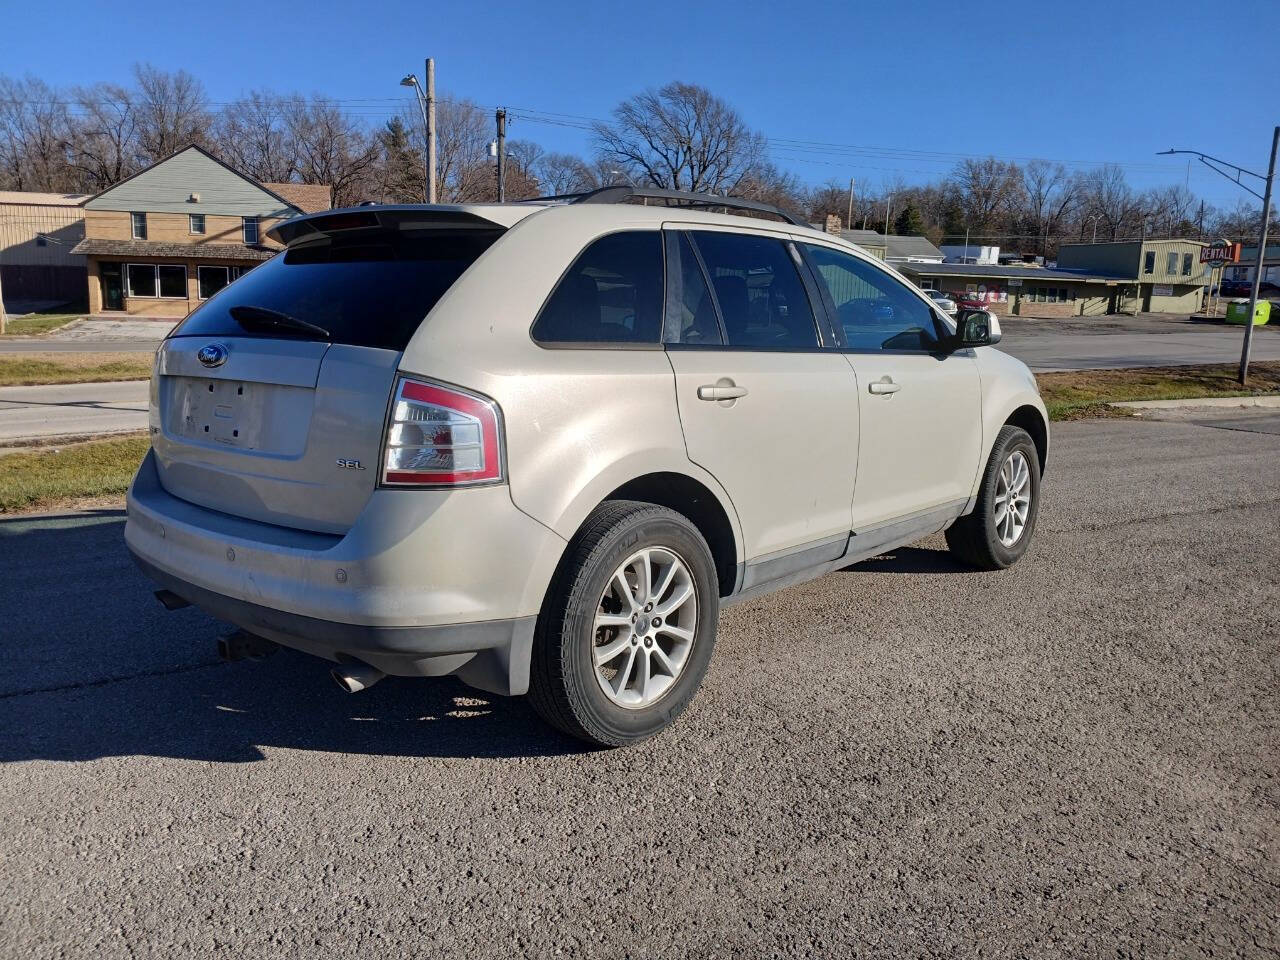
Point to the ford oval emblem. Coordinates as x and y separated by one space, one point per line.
212 355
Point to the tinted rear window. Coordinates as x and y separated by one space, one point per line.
367 288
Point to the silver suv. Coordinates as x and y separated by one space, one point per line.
538 446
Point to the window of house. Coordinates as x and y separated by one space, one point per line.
1186 264
611 294
1149 262
141 279
138 224
172 281
250 231
195 223
210 280
758 289
875 310
1172 263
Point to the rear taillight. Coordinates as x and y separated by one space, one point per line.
440 436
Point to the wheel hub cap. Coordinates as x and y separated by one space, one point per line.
645 627
1013 498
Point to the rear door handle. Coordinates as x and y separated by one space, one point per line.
885 385
720 392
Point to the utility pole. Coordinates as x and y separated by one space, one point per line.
1216 165
502 155
1262 254
849 220
887 203
966 245
432 192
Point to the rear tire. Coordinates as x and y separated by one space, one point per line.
602 669
991 537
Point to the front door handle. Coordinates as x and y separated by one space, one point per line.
721 391
885 385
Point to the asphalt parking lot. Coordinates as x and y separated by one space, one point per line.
1075 757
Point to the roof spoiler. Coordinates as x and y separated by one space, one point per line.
400 217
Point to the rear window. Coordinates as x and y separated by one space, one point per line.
369 288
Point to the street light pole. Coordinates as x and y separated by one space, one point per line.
849 222
1213 163
427 107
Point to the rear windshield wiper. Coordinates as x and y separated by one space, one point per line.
251 316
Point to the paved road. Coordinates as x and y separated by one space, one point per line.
1076 757
42 345
1104 342
72 409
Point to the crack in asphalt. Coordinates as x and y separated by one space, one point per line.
106 681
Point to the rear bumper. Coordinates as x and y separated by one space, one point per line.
426 583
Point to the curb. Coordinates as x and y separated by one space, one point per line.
1270 400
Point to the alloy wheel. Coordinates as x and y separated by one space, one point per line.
645 627
1013 498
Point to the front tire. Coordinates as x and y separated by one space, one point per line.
626 631
998 531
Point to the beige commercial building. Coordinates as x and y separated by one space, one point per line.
38 234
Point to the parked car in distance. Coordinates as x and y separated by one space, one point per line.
942 301
540 445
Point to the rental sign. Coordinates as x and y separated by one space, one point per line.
1220 253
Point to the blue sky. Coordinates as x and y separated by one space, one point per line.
854 89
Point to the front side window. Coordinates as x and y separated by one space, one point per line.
211 280
1149 262
141 278
173 280
611 294
875 309
1172 263
761 296
195 223
250 231
1186 264
138 223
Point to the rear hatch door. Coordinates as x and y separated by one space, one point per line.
270 400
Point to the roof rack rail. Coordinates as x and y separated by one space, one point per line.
624 194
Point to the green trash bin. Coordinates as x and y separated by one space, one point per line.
1237 310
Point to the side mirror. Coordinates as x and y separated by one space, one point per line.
978 328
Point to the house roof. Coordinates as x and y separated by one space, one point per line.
1003 272
29 198
307 197
301 198
190 251
895 247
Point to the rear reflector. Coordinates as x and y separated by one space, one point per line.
440 436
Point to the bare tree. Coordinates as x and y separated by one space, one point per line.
252 134
1047 197
1110 198
463 168
171 110
33 128
681 137
564 173
331 149
102 140
988 190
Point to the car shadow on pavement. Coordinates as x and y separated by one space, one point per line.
910 560
95 667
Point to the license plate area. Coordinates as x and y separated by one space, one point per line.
215 410
239 414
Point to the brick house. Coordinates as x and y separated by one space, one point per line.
174 234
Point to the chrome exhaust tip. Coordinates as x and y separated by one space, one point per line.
355 676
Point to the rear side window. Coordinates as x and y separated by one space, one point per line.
762 299
367 288
611 294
